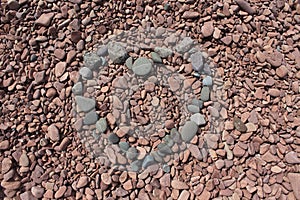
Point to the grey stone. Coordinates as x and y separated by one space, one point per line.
197 102
160 31
92 61
207 69
197 61
90 118
129 62
156 156
198 119
164 148
205 94
117 53
86 73
166 168
85 104
193 108
156 58
188 131
148 160
184 45
175 135
131 153
102 50
163 52
124 146
77 88
142 66
101 125
113 138
207 81
136 165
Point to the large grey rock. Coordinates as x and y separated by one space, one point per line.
197 61
205 94
198 119
148 160
142 66
117 53
90 118
184 45
163 52
86 73
102 50
101 125
188 131
92 61
77 88
85 104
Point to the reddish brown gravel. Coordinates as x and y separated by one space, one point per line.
254 46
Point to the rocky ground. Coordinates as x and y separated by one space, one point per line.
253 46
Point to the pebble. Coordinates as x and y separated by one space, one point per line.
190 15
142 66
205 94
169 124
282 71
135 165
188 131
184 45
4 145
238 151
37 191
148 160
131 153
163 148
155 57
106 178
274 92
60 192
198 119
207 29
24 160
60 69
13 5
292 158
124 146
101 125
6 165
184 195
211 140
179 185
85 104
92 61
207 81
90 118
198 103
294 179
12 185
197 61
77 89
45 19
163 52
113 138
117 53
193 108
227 40
82 182
129 62
239 125
244 5
86 73
60 54
166 168
53 133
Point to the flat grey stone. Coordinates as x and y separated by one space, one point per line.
124 146
136 165
175 135
156 156
148 160
101 125
129 62
142 66
197 61
86 73
90 118
117 53
207 69
166 168
193 108
207 81
77 88
113 138
205 94
164 148
184 45
198 119
156 58
188 131
131 153
85 104
163 52
197 102
92 61
102 50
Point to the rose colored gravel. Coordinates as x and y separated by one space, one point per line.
255 48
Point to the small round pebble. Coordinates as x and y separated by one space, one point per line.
113 138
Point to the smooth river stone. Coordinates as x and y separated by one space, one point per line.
85 104
188 131
142 66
